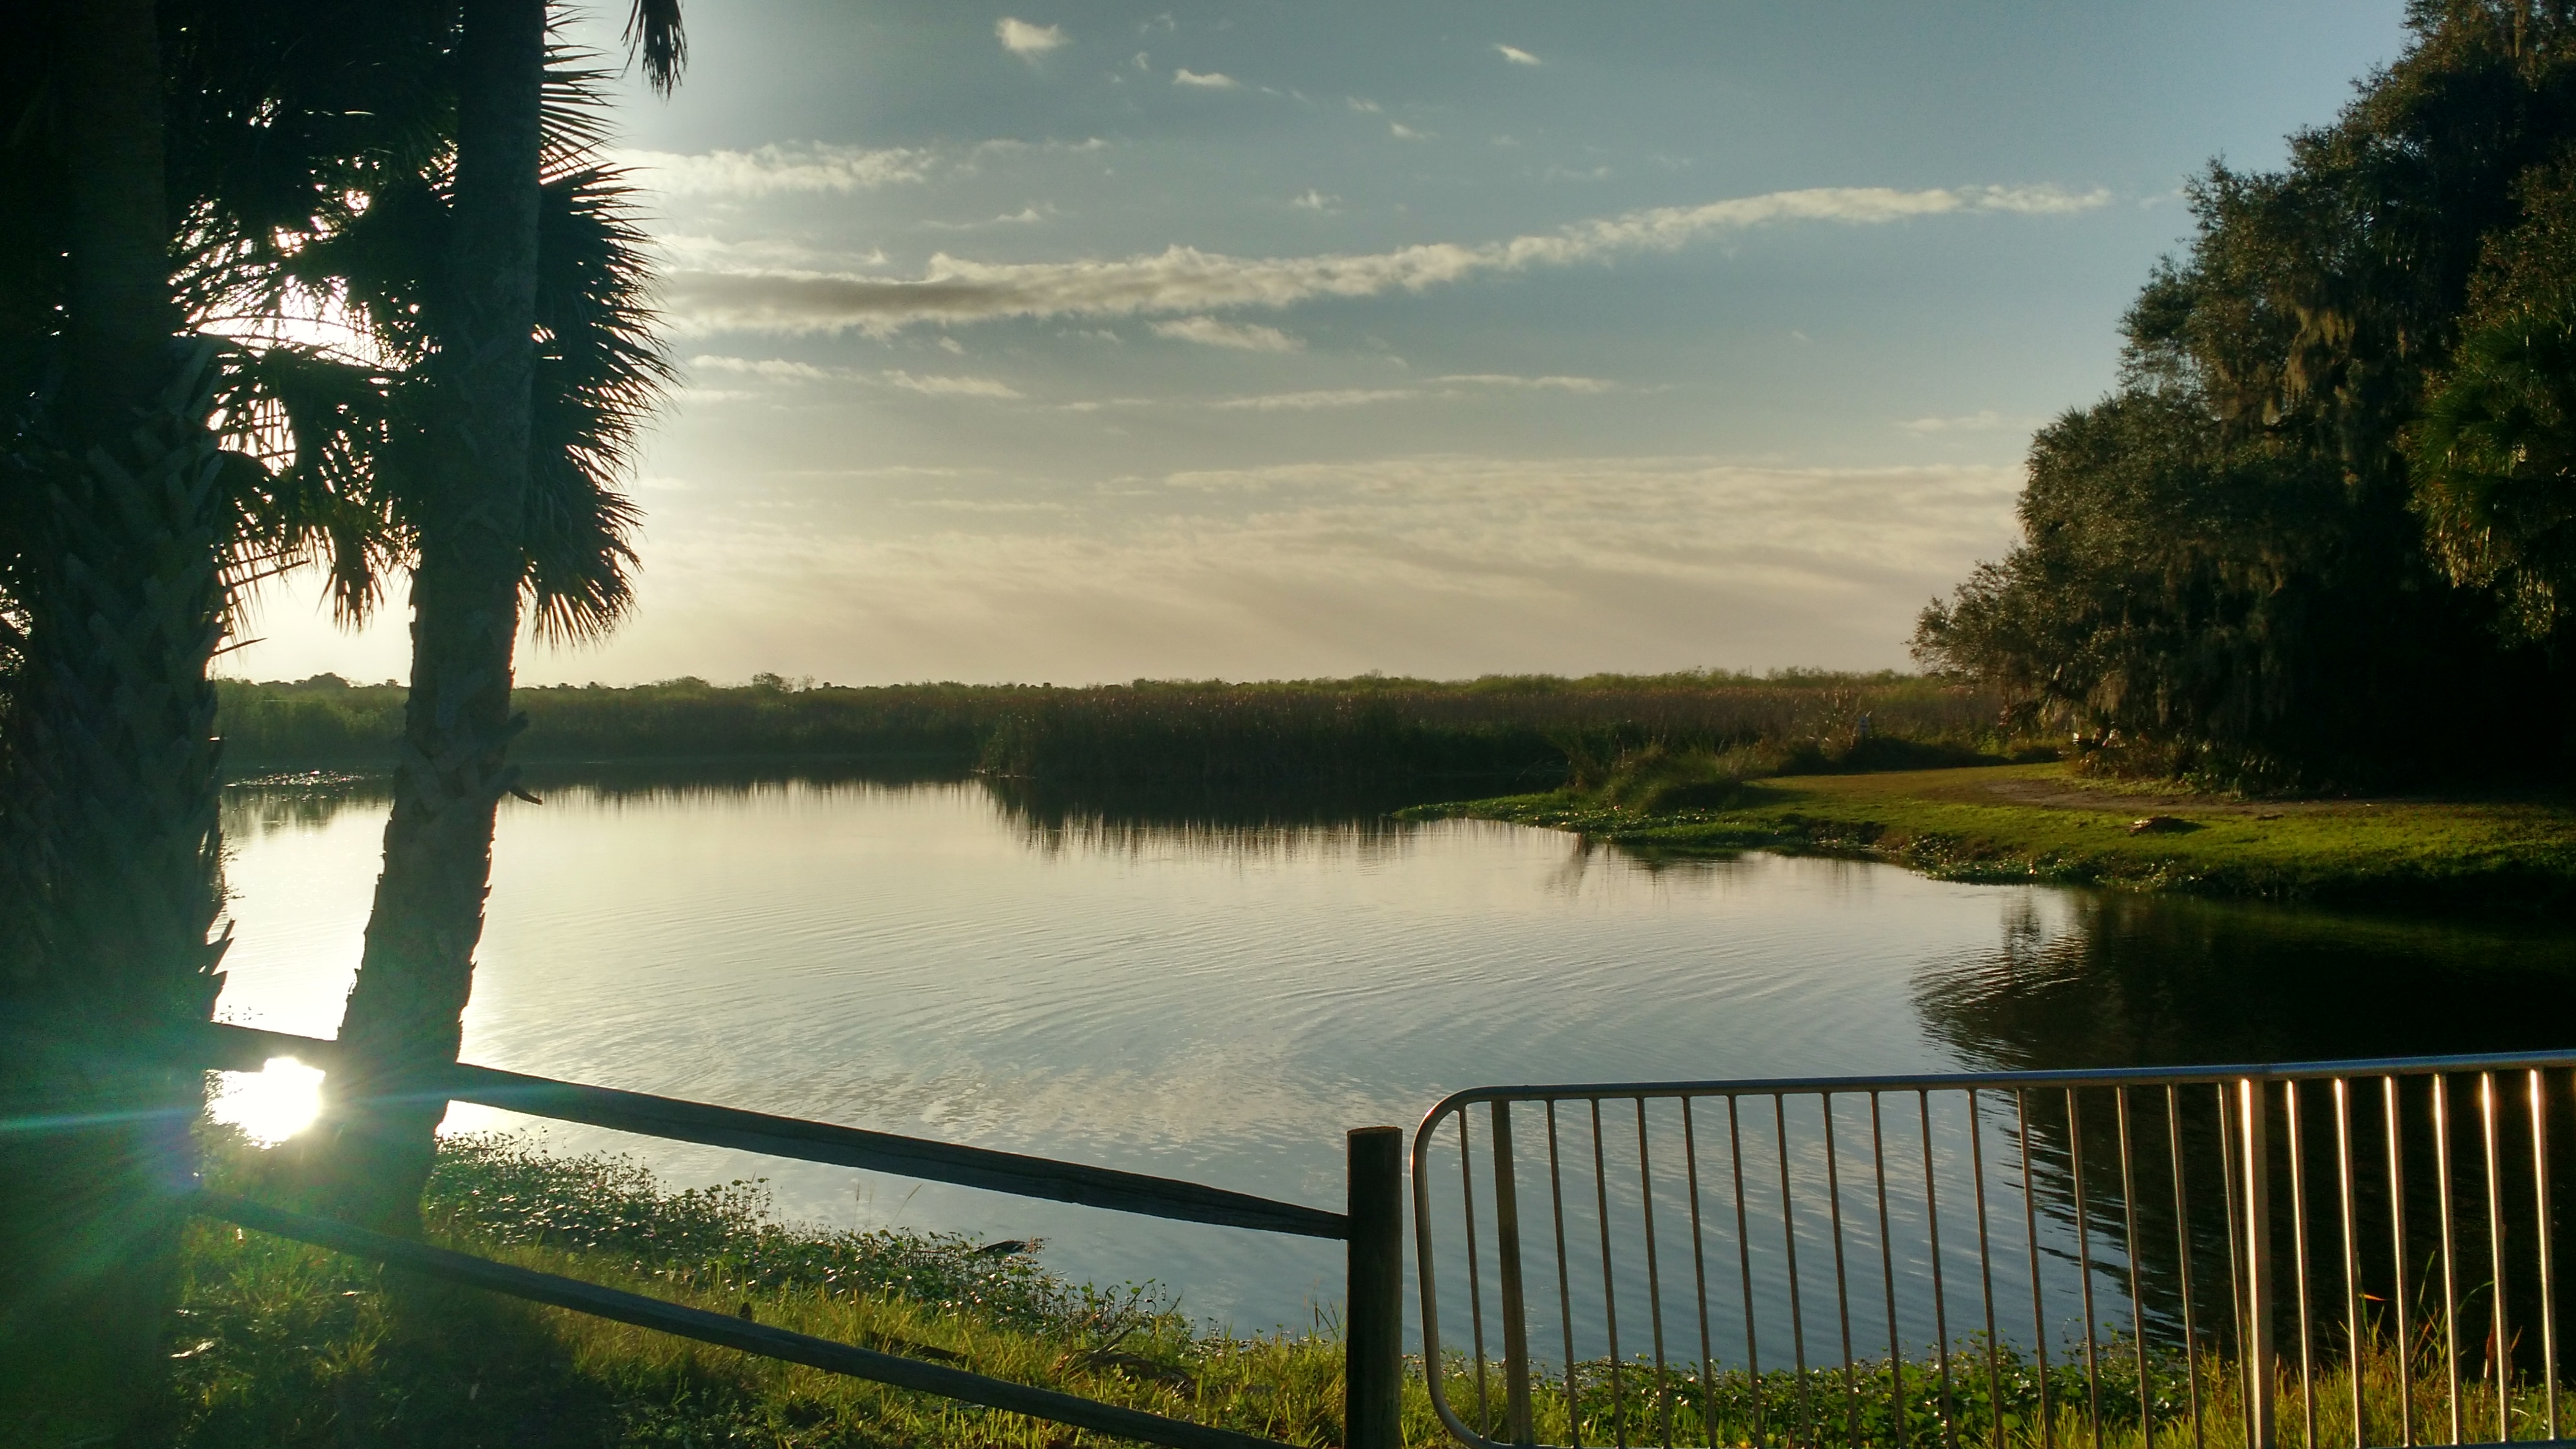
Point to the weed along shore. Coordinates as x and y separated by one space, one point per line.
288 1344
2041 822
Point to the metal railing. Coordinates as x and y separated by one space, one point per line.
2338 1253
1372 1226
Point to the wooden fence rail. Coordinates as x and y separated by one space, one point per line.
241 1048
1372 1227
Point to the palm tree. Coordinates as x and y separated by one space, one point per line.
539 363
120 543
139 495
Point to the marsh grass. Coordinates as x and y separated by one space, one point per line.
279 1344
1367 735
1998 1400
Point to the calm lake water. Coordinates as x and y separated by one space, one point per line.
1219 1002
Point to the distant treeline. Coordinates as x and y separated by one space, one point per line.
1341 733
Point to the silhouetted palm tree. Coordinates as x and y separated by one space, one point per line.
125 525
148 483
538 363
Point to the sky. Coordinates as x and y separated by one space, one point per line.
1089 342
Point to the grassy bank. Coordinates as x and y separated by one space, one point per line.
283 1346
2040 822
1367 733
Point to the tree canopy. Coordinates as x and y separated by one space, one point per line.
2320 533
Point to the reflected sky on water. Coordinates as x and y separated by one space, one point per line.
1217 999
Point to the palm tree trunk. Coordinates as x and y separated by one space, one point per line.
404 1019
115 787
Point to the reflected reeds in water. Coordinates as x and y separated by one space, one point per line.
2140 981
300 800
2132 980
1238 824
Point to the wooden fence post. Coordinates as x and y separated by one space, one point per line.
1373 1312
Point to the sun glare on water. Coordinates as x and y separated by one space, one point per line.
272 1104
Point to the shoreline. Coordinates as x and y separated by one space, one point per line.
2040 824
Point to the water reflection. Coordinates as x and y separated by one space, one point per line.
2131 980
1214 987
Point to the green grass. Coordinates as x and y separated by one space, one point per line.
281 1346
2040 822
284 1345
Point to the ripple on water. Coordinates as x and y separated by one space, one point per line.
1221 1002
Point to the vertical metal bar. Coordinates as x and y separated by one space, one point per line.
2299 1262
2351 1254
1373 1339
1475 1285
1744 1261
2450 1269
1507 1246
1564 1285
2254 1129
1654 1279
2235 1234
2500 1347
2137 1299
2084 1262
2541 1230
1887 1273
1789 1234
1609 1289
1940 1294
1986 1268
2038 1308
2182 1253
1699 1280
2400 1342
1842 1284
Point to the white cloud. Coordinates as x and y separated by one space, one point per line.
1246 337
773 369
1212 81
1336 397
771 169
1314 200
982 387
1986 421
812 166
1026 216
1440 564
1366 108
1516 55
1508 380
1019 37
2037 200
1403 132
1187 280
780 370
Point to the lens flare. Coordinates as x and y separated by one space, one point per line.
272 1104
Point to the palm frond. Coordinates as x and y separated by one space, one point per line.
600 369
654 30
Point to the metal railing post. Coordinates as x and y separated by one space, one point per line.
2254 1119
1373 1331
1507 1243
